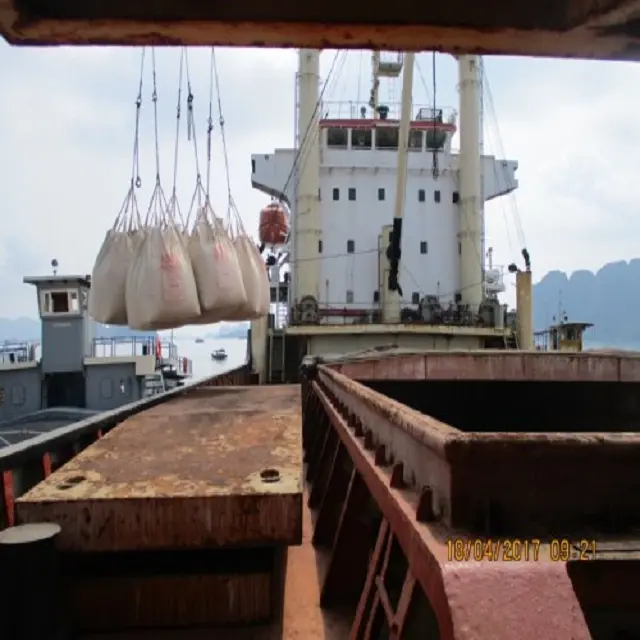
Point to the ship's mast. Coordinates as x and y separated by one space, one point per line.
471 206
305 268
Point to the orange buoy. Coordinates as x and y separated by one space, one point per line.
274 224
158 348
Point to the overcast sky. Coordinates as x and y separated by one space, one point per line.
66 134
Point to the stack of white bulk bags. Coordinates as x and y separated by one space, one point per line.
107 300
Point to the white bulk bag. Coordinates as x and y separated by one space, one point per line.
161 288
255 279
215 266
107 301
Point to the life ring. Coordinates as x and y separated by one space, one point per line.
158 349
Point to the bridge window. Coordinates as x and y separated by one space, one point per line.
387 138
352 194
336 193
349 297
361 139
455 197
415 140
415 297
421 195
436 196
338 137
319 246
381 194
351 246
424 247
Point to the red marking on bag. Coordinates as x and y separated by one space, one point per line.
172 290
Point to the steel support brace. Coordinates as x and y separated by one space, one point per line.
432 592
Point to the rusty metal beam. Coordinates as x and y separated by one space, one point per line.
566 28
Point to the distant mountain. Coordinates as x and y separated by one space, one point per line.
230 330
28 329
609 298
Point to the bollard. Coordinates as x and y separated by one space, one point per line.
29 607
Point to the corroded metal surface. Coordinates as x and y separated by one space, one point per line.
572 28
302 617
514 366
162 601
475 585
512 483
215 467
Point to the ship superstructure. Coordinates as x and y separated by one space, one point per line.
353 186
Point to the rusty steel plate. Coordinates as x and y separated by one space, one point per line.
526 366
216 467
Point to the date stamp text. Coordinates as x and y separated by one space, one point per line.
519 550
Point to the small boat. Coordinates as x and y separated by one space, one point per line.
199 340
219 354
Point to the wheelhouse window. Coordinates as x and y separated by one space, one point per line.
361 139
352 194
338 137
61 301
387 138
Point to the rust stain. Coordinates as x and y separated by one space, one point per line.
208 443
